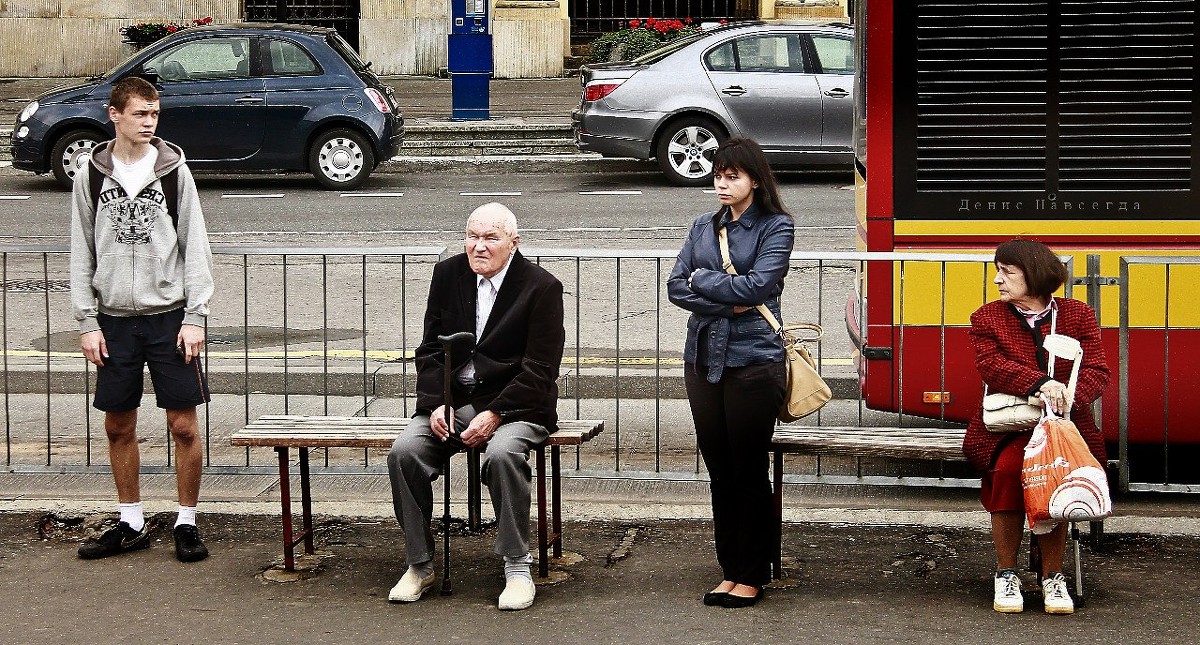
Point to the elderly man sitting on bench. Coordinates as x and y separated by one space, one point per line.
504 395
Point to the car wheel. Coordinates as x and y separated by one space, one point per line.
686 148
341 159
70 152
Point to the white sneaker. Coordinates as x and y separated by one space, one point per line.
411 586
518 594
1055 596
1008 598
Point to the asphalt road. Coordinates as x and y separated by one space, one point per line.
556 210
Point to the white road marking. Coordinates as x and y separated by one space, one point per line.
499 194
13 198
5 164
372 194
709 191
610 192
252 196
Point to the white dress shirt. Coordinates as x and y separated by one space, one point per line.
485 299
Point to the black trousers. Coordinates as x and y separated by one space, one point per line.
734 420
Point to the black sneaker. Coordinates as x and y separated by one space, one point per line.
188 545
119 539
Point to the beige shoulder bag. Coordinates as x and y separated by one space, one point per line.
806 391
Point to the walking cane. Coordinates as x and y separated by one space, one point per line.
448 406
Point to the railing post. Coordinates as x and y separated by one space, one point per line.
1123 375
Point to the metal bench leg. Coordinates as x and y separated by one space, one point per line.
285 503
306 502
1078 561
556 500
474 492
777 481
543 538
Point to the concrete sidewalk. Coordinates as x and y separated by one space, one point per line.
623 582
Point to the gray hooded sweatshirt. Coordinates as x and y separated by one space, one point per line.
128 258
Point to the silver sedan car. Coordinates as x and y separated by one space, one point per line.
789 87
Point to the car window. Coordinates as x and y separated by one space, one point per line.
342 47
289 59
651 57
721 59
211 58
770 53
836 55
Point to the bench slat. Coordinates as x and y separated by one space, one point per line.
898 443
320 431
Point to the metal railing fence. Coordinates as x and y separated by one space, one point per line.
332 331
1157 342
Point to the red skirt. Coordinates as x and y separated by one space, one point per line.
1000 488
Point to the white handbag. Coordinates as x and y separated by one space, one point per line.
1012 413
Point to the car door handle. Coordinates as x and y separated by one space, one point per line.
734 90
249 99
837 93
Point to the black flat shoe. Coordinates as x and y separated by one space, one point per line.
731 601
715 598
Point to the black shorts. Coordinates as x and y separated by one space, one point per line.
136 341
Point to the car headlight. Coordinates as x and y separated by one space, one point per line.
22 132
28 112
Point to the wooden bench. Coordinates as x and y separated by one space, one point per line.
283 432
927 444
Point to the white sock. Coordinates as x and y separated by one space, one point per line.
131 514
187 515
518 567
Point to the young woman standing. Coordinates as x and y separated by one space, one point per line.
734 363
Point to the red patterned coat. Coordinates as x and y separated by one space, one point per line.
1009 358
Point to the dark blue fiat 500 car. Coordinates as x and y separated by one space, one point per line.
234 97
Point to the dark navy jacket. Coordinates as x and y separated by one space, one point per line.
759 246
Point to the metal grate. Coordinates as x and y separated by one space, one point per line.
1090 103
341 15
1125 95
982 95
591 18
37 286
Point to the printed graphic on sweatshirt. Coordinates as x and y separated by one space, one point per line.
133 219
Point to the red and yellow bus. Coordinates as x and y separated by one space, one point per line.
1072 122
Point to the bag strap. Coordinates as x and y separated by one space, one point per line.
727 264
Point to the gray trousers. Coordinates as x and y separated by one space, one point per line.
416 459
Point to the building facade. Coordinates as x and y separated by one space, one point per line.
531 37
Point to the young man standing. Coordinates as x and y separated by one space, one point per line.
141 278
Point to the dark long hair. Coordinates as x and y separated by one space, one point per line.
745 155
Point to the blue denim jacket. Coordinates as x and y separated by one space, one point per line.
759 246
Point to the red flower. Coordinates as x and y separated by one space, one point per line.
688 20
724 22
662 28
635 23
172 28
651 21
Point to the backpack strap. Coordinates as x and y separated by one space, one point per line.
170 188
95 182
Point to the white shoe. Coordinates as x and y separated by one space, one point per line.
1055 596
1008 598
411 586
518 594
